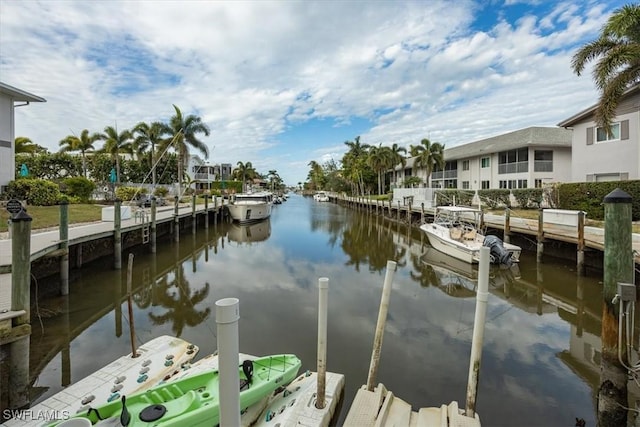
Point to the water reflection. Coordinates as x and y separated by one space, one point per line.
248 233
540 357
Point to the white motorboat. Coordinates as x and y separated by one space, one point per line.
321 196
250 207
455 231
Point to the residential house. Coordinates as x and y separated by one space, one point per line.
9 96
597 156
203 173
525 158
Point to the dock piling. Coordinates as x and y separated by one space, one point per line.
323 290
382 320
117 235
580 255
154 229
227 317
618 268
176 221
64 245
507 225
482 296
540 236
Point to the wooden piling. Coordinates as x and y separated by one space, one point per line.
176 221
540 236
20 300
117 235
580 255
154 225
194 218
507 226
618 268
64 246
206 211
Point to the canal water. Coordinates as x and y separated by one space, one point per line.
540 360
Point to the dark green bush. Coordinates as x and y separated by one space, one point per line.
126 194
37 192
495 198
528 197
78 187
161 191
588 197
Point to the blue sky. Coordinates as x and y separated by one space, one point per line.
283 83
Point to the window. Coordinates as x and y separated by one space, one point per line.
601 134
465 165
538 183
513 161
450 183
465 185
543 161
522 183
485 185
511 183
485 162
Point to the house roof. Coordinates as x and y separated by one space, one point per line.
531 136
19 94
589 112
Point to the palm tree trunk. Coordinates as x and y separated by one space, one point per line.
118 169
84 164
180 160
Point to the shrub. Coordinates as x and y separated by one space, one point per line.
495 198
79 187
128 193
37 192
161 192
588 196
528 197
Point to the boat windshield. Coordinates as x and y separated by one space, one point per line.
454 217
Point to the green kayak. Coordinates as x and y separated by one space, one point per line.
194 400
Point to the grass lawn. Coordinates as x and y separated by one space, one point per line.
49 216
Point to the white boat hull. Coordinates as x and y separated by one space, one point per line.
249 212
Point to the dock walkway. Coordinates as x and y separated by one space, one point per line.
46 242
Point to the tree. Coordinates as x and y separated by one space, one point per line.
380 159
617 52
25 145
83 144
243 172
354 163
429 156
150 135
315 175
184 132
116 143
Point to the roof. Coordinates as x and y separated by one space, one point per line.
585 114
19 94
531 136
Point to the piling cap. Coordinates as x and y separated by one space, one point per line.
21 216
617 196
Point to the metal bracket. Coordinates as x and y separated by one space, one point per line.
627 292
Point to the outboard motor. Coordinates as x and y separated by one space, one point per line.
499 255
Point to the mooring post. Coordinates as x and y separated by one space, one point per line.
194 218
206 211
507 225
154 229
323 291
580 306
64 245
176 221
618 268
382 320
409 214
227 317
117 235
422 213
540 236
20 300
398 210
580 255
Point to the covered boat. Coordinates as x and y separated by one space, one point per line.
250 207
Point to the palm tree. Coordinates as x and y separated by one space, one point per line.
380 159
116 143
316 175
354 162
184 131
25 145
618 66
429 155
243 172
150 135
83 144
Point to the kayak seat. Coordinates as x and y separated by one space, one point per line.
183 404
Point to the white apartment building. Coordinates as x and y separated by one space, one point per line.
526 158
10 98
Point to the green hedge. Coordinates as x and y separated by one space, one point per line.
495 198
528 197
588 197
37 192
79 188
461 197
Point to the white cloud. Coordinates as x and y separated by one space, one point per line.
243 66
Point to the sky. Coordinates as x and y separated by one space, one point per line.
282 83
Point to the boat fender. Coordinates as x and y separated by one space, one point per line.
152 413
